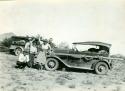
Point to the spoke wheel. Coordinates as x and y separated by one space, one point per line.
101 68
51 64
18 51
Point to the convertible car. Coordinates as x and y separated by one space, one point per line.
83 55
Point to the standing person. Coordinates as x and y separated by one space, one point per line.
51 43
45 48
32 50
40 43
27 45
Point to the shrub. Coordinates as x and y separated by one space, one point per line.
63 45
72 86
61 81
7 42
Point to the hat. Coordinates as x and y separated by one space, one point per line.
45 40
29 38
41 38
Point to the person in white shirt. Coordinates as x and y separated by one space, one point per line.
31 48
46 46
22 60
27 45
32 53
51 44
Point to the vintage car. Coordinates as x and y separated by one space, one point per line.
93 57
18 44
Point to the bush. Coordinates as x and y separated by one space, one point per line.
63 45
72 86
7 42
3 49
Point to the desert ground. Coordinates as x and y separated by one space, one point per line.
29 79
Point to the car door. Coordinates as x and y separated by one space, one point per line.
74 58
86 60
79 59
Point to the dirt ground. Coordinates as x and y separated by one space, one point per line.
12 79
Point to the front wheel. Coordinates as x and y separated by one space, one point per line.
101 68
51 64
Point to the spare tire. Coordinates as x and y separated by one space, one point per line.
18 51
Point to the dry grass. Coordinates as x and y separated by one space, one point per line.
12 79
72 86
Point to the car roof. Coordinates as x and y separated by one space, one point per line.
20 37
94 43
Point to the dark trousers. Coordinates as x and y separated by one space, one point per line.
20 64
31 60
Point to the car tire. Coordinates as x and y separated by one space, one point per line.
101 68
51 64
18 51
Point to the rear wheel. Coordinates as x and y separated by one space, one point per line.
51 64
101 68
18 51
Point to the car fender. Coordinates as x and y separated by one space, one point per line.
60 60
94 64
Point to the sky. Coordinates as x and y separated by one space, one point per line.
67 20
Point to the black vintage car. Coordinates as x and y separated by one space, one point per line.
95 57
18 44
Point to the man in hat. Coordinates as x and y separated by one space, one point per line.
51 43
32 53
46 46
27 45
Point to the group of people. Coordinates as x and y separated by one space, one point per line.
35 52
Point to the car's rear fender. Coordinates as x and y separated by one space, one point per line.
94 64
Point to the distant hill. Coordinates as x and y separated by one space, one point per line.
6 35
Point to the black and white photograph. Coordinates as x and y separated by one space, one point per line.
62 45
